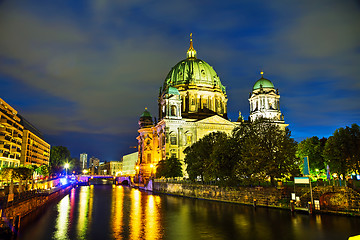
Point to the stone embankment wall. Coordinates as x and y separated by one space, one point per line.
332 199
269 196
14 212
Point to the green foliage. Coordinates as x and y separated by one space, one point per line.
20 173
199 157
313 148
266 151
342 150
255 152
59 155
169 168
43 170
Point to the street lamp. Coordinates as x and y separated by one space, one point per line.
66 167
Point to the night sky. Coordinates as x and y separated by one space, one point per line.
83 71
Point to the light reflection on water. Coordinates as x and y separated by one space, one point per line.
152 219
83 210
62 220
116 219
135 215
116 212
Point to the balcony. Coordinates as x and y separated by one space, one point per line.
18 137
5 122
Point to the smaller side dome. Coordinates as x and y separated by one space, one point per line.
146 113
145 119
263 83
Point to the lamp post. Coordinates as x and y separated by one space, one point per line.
66 168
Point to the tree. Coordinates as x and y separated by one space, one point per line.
224 157
313 148
342 150
169 168
198 157
75 165
161 170
43 170
59 155
18 173
266 152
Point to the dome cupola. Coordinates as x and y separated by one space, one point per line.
265 101
199 86
263 83
145 119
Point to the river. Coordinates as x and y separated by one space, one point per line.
116 212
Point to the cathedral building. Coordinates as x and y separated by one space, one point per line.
192 103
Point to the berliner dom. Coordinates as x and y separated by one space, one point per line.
192 103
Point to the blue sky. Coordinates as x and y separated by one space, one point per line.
83 71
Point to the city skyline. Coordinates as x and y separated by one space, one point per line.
83 73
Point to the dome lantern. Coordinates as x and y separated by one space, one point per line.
191 53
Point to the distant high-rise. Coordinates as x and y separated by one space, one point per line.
83 160
94 165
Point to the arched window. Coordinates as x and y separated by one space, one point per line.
173 110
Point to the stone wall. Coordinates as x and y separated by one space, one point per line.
332 199
269 196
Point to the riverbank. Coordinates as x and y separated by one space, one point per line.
12 212
329 199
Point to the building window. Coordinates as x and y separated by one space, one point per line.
192 101
173 140
205 105
188 140
173 110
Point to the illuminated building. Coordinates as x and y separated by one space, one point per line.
192 103
110 168
20 142
129 164
34 150
11 133
94 165
83 160
265 102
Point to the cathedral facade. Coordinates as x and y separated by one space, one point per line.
192 103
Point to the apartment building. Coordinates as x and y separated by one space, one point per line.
11 134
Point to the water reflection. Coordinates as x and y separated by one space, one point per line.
152 218
116 212
135 214
62 220
116 219
83 219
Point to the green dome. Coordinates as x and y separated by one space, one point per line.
146 113
193 71
263 83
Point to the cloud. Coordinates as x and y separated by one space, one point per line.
95 65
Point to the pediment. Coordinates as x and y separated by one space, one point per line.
215 120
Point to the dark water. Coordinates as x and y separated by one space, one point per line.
116 212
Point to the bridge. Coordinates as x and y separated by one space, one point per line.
101 179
